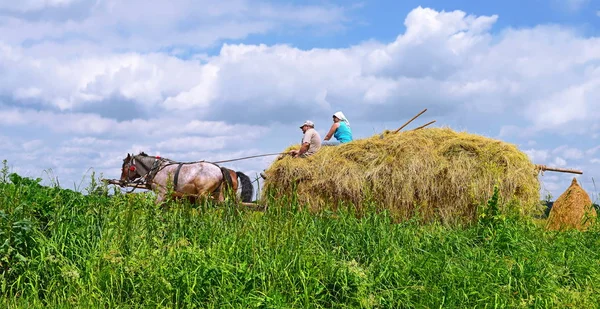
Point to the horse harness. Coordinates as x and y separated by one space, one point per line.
151 172
156 168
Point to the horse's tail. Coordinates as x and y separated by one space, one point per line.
247 188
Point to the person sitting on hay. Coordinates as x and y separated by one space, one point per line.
340 129
310 144
311 141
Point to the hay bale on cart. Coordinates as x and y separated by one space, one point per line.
437 173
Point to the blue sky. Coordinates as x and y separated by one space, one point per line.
82 83
384 20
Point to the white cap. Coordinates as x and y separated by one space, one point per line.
308 123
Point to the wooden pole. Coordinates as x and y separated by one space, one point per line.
421 127
124 184
253 206
544 168
413 118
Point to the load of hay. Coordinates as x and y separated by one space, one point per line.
436 173
572 210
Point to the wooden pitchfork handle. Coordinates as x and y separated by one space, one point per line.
544 168
421 127
413 118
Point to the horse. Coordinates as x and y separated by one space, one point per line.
192 180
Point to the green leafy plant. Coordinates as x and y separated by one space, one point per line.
62 248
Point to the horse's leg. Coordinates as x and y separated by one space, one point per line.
218 196
201 199
227 189
219 192
210 190
161 196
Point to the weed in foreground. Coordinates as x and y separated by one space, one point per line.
63 248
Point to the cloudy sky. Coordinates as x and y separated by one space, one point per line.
84 82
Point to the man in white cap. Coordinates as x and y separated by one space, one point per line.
311 141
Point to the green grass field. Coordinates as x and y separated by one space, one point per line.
60 248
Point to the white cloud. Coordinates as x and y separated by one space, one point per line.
552 186
27 93
568 152
190 143
560 162
84 142
32 5
554 111
111 24
201 95
573 5
109 81
445 59
91 124
144 78
537 156
7 144
592 151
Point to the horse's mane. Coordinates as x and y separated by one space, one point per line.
130 156
143 154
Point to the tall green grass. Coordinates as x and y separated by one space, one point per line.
61 248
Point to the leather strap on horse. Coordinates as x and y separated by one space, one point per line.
176 177
226 177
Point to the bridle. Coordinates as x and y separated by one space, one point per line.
146 178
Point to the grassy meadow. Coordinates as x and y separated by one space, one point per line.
61 248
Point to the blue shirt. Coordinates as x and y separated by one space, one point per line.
343 133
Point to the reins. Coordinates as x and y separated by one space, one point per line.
250 157
171 162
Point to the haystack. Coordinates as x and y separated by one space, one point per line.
436 173
572 210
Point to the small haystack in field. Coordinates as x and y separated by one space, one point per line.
439 173
572 210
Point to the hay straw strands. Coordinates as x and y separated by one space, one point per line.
544 168
432 173
572 210
413 118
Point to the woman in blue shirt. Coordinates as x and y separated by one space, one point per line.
340 130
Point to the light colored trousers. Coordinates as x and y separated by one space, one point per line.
330 143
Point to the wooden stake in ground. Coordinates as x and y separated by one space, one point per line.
572 210
413 118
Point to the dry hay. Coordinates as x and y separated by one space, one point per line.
441 173
572 210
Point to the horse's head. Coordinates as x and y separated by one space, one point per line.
129 170
136 166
